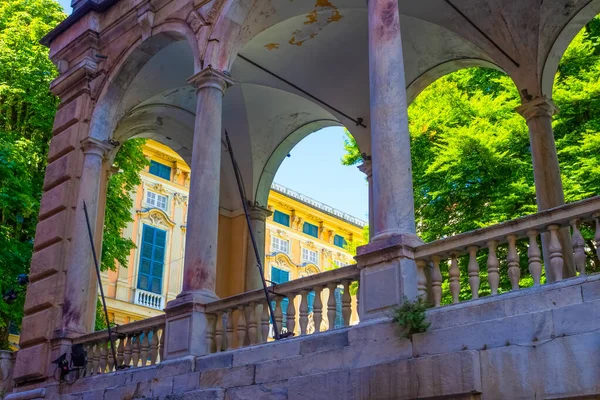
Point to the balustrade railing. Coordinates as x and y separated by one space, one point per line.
554 223
149 299
137 344
243 320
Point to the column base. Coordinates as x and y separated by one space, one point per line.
186 325
388 274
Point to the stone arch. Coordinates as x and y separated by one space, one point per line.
108 110
427 78
562 42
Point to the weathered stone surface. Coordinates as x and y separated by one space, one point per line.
161 386
208 394
43 293
227 377
46 261
579 318
32 361
543 300
264 391
186 382
37 332
214 361
375 330
62 169
129 391
591 291
68 114
164 369
564 367
55 200
345 384
462 314
376 352
267 352
50 230
519 329
325 341
63 143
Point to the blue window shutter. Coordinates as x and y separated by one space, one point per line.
339 317
152 259
279 276
310 229
311 301
160 170
281 218
339 241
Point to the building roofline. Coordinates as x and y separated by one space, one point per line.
334 212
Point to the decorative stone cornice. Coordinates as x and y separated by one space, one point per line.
366 168
211 78
93 146
157 218
538 107
146 19
259 213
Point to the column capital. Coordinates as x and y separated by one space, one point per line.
259 213
366 168
538 107
91 145
210 77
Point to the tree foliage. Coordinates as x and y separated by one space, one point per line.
471 155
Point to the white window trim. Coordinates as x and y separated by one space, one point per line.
155 204
278 248
306 259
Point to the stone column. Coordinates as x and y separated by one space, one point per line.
186 321
367 168
546 172
388 269
258 218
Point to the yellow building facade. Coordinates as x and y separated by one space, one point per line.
302 237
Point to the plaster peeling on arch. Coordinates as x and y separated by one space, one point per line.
322 15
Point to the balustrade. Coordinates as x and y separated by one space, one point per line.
136 345
509 237
149 299
292 315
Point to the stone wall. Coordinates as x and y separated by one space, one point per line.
532 344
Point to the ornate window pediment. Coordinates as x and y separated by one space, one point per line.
157 218
158 188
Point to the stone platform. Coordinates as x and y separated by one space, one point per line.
538 343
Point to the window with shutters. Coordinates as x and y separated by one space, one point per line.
280 245
310 256
339 241
339 263
281 218
310 229
279 276
157 200
152 259
160 170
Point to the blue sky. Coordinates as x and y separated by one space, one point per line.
314 169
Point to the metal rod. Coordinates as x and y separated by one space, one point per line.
474 25
357 121
238 178
110 338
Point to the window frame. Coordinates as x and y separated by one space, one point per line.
161 168
310 252
306 226
276 213
155 203
278 249
151 259
335 240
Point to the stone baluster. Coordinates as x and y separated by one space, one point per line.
135 354
331 306
454 273
278 314
358 298
578 244
265 320
154 347
219 333
96 359
211 321
90 360
535 257
318 309
514 270
346 303
241 326
421 280
597 236
291 313
303 312
145 348
556 256
229 332
161 350
103 356
473 270
252 328
128 351
436 281
493 267
120 351
110 359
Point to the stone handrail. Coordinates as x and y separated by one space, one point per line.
553 224
243 319
137 345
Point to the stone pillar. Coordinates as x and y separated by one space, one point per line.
388 269
186 321
546 172
367 168
258 218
